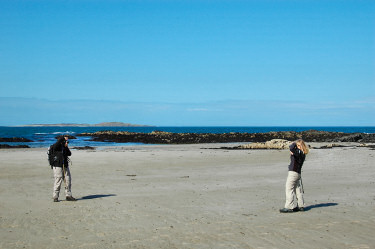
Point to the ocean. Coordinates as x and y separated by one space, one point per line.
45 136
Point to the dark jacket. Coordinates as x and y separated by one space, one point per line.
61 152
297 159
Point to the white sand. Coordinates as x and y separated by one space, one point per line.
183 196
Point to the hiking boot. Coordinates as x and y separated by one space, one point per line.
301 209
70 198
286 210
55 200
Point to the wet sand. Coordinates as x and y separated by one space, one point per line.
187 196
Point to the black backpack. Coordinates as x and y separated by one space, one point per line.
52 157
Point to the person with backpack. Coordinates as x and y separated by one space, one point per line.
60 166
293 186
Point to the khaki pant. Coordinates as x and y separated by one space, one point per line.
58 174
293 191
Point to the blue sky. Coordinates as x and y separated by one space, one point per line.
203 63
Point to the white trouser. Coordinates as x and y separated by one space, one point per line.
58 174
293 191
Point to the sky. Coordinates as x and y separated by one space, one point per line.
188 63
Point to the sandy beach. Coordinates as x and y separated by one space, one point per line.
187 196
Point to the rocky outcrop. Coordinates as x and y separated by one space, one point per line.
161 137
84 148
330 146
7 146
357 137
274 144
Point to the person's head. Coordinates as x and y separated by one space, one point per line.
63 140
66 140
302 146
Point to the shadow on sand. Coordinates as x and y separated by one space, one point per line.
330 204
90 197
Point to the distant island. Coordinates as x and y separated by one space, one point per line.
104 124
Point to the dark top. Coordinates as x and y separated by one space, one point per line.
61 152
297 159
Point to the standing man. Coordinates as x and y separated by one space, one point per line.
61 170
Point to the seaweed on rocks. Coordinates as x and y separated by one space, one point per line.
161 137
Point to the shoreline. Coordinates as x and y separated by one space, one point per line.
222 146
44 137
162 137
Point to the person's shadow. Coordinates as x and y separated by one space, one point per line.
90 197
330 204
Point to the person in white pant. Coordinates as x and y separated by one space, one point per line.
61 170
293 186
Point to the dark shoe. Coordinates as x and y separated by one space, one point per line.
70 198
55 200
286 210
301 209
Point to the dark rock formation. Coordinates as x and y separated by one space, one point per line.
84 148
7 146
160 137
330 146
357 137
